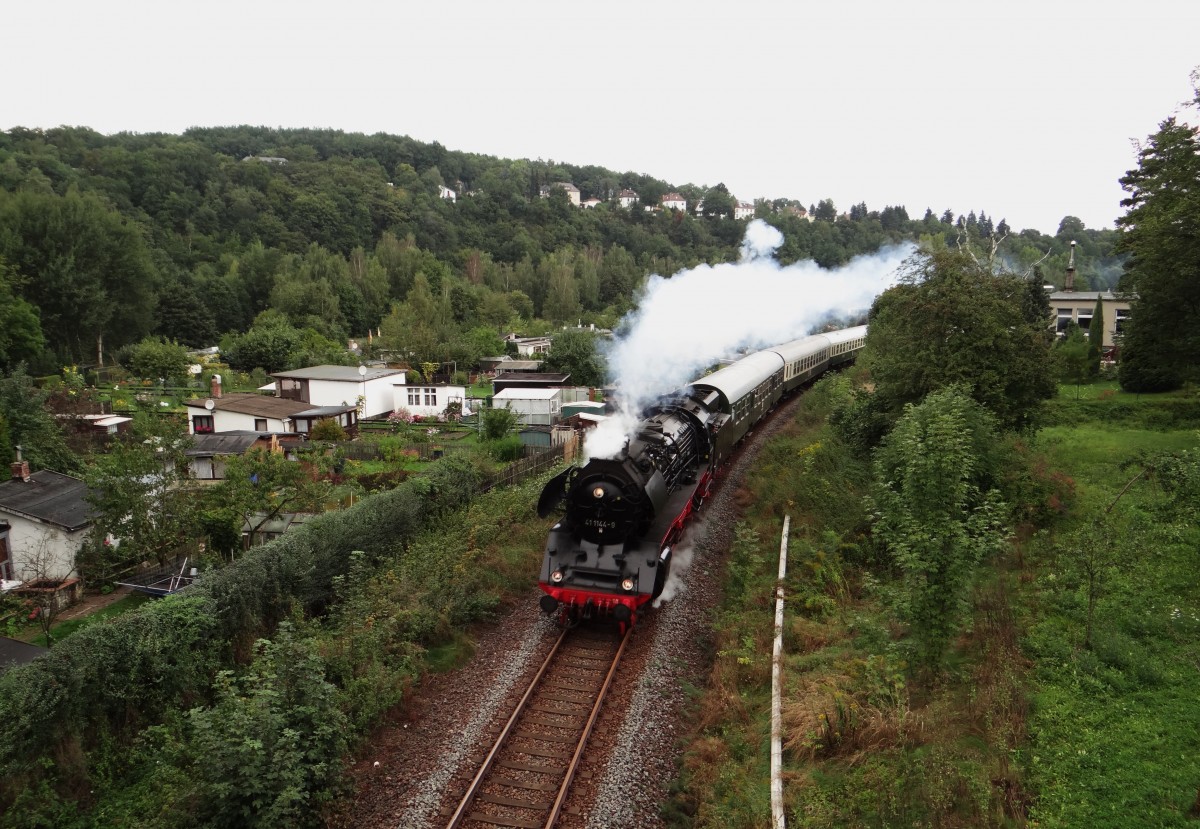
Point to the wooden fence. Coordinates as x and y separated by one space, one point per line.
535 461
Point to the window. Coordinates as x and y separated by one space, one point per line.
202 424
1122 319
430 397
260 424
1065 317
414 397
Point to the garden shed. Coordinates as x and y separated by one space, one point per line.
533 407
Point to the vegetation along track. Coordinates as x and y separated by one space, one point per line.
524 779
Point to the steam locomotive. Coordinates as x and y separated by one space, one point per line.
610 554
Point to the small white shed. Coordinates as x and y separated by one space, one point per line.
533 407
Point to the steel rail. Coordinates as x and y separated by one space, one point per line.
468 798
587 731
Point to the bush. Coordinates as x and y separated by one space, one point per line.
328 429
506 449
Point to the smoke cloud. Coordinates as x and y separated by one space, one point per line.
688 322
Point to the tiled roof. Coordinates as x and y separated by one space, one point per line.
50 497
258 405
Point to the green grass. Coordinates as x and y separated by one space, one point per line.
62 630
1115 726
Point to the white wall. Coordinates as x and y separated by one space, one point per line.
231 421
29 539
445 394
378 393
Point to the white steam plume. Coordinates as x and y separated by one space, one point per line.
687 322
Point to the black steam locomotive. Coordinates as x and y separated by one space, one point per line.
611 552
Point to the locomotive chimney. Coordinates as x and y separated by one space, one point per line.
1070 284
216 385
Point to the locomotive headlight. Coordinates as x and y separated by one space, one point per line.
598 492
627 585
556 576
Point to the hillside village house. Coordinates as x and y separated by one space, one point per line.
743 210
44 522
529 346
342 385
627 198
674 201
259 413
446 193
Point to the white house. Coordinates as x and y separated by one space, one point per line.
528 346
446 193
430 401
570 189
743 210
259 413
627 198
44 521
533 407
342 385
590 203
674 201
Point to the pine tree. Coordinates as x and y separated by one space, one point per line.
1096 339
1162 342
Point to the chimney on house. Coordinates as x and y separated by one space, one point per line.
20 471
1070 285
216 386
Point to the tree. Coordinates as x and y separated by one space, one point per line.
718 202
574 352
951 320
1161 347
824 211
496 423
134 490
1071 354
1095 350
269 344
156 357
268 750
84 266
261 484
931 514
21 335
42 568
1091 554
31 426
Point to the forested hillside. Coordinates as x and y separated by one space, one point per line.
106 240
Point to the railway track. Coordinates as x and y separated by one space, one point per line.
524 779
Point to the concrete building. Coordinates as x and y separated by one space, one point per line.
1078 307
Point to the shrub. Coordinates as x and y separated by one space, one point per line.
328 429
506 449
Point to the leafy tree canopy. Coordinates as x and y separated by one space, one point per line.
953 321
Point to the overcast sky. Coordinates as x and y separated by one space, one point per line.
1023 109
